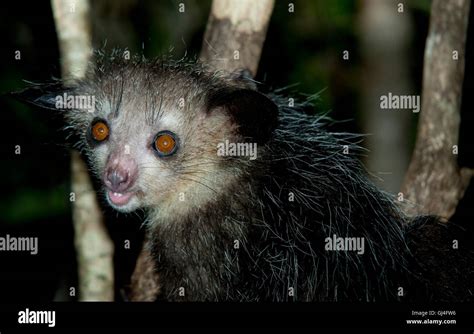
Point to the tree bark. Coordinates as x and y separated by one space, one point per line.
94 247
434 182
235 34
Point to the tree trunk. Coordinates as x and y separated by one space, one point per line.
434 182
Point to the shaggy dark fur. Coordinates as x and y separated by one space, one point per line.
263 237
282 242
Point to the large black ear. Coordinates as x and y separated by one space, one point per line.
41 95
255 114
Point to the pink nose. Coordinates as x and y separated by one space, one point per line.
120 173
117 180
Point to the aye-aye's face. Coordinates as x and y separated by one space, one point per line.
152 131
154 146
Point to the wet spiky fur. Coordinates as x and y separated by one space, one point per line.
253 230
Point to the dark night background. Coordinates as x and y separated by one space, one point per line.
304 48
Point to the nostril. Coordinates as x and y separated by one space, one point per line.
117 179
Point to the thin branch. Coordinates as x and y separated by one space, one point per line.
93 245
434 182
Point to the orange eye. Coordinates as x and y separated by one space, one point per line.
99 131
165 143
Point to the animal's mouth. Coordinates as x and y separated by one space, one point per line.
119 199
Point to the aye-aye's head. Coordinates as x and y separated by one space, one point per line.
151 130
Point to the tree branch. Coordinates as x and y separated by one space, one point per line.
93 245
235 34
434 181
